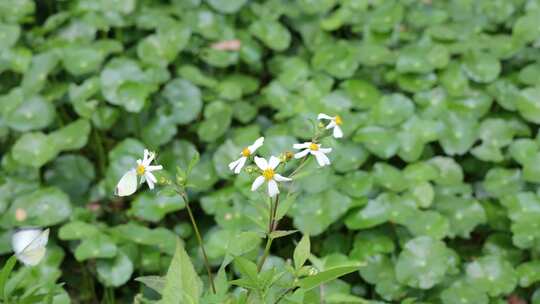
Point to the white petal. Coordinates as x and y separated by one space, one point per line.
274 162
233 164
302 146
241 163
325 150
256 145
261 163
257 183
151 177
127 184
145 155
32 242
331 125
273 189
337 132
281 178
154 168
150 158
324 116
321 158
301 153
150 180
143 179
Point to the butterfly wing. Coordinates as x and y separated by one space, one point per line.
30 245
127 184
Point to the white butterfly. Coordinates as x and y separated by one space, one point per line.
29 245
128 183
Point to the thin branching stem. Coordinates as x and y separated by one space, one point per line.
199 240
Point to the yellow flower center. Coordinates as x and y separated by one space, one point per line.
313 147
268 174
140 169
338 120
246 152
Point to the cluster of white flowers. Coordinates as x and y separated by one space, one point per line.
267 168
130 180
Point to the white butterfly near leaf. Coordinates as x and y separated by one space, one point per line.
128 183
29 245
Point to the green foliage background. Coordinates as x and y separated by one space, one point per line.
435 185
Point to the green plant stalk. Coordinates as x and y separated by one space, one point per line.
273 223
199 240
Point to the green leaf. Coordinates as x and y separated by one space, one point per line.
71 137
5 273
34 149
328 275
461 292
227 6
114 272
302 252
43 207
156 283
528 273
422 263
481 67
77 230
272 33
493 275
154 207
281 233
96 246
182 284
26 114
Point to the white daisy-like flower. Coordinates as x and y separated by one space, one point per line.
268 175
313 149
237 165
29 245
128 183
335 123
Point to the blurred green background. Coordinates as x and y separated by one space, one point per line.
435 185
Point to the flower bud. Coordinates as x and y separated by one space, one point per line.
250 169
164 181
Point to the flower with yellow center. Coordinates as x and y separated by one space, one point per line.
237 165
315 150
269 175
128 183
335 123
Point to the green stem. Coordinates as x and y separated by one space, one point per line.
265 254
283 295
199 239
274 221
271 228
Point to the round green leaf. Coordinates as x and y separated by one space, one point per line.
460 292
28 114
71 173
114 272
422 263
226 6
272 33
34 149
185 100
44 207
96 246
154 207
492 274
482 67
